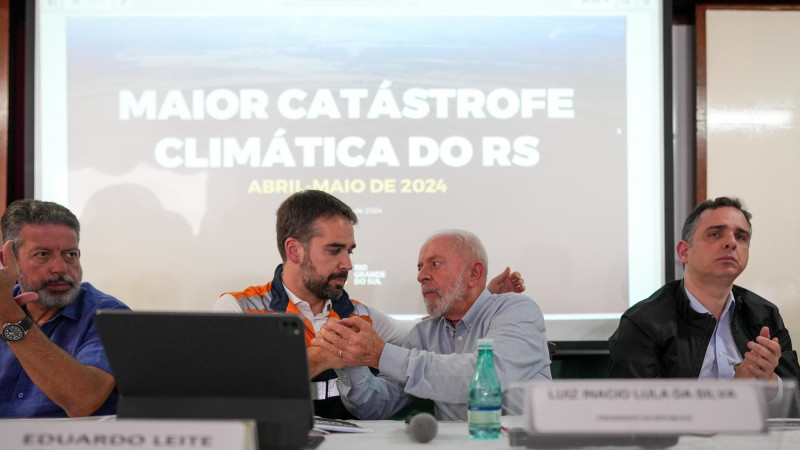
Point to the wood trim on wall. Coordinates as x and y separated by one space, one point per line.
701 111
5 38
702 81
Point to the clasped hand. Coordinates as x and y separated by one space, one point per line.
762 359
352 339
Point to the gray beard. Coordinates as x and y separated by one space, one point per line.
48 299
447 300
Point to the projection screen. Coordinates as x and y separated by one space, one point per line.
174 130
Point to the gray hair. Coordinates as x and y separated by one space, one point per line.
35 212
466 243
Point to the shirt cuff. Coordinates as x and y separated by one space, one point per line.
353 376
394 361
777 398
349 377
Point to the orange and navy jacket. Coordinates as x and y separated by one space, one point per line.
272 298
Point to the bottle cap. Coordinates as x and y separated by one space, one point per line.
485 343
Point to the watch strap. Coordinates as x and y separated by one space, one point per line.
26 323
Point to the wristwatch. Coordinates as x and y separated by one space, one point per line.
15 332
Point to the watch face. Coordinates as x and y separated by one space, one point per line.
13 332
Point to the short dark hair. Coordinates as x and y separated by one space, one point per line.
690 223
35 212
298 213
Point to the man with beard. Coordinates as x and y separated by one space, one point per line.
315 239
437 360
51 361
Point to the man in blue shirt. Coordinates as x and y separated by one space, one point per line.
437 359
51 361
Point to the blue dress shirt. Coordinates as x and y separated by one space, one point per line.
721 355
72 329
438 360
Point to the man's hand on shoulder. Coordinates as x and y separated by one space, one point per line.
353 339
507 281
762 359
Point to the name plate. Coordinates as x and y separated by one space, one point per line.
127 434
647 407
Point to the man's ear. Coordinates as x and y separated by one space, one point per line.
476 272
294 250
7 255
683 251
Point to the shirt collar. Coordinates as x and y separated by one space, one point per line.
304 306
72 311
697 306
476 309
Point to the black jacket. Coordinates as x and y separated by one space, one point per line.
662 336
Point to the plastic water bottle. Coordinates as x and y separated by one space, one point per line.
485 396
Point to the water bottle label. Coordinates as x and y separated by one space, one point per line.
483 416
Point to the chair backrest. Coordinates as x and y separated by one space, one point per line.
551 347
579 359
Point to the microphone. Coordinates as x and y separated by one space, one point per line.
422 427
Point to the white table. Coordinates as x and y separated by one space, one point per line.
386 434
454 435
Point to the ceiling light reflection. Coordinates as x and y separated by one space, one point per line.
750 119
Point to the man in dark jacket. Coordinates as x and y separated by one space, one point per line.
703 326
